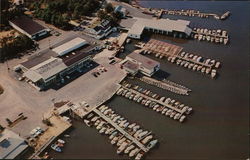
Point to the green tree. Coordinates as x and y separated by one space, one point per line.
109 8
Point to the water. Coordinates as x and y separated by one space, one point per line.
219 126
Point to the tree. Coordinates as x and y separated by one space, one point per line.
101 14
109 8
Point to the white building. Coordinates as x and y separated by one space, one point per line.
69 46
146 65
163 26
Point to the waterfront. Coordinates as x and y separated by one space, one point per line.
218 128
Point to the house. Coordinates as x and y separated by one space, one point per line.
145 65
29 27
99 29
12 146
121 10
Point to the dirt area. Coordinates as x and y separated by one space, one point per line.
57 128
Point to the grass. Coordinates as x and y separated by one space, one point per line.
1 89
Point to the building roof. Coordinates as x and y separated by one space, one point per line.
143 60
134 67
69 46
11 145
38 58
45 69
27 24
161 24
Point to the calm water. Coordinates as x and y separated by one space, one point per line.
219 126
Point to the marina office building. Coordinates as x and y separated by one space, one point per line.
176 28
54 65
139 63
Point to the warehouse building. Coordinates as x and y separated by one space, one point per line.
55 65
29 27
176 28
139 63
12 146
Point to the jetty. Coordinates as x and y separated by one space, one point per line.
121 130
167 85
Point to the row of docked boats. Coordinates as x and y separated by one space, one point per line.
196 63
216 36
166 106
121 139
189 12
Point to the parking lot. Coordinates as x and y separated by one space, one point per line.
19 96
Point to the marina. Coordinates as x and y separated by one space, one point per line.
175 54
217 36
166 106
130 138
167 85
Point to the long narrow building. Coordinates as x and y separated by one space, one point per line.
177 28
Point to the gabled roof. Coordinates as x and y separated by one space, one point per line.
27 24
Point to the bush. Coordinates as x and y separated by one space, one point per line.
1 89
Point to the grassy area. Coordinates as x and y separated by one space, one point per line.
1 89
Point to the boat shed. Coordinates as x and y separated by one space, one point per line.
28 27
163 26
70 46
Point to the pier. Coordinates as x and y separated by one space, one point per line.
133 139
175 54
155 100
167 85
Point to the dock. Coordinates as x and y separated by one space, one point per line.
134 140
155 100
167 85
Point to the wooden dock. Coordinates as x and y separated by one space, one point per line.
155 100
121 130
167 85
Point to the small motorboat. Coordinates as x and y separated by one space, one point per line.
56 148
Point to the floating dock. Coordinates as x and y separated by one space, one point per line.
121 130
165 106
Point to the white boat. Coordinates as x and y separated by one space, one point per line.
142 134
138 156
114 140
164 111
122 147
147 139
182 118
225 40
121 141
213 73
137 133
129 148
133 152
61 141
152 143
102 130
132 125
56 148
217 65
113 135
86 122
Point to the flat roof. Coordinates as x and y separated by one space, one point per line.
11 145
145 61
27 24
69 46
131 65
161 24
